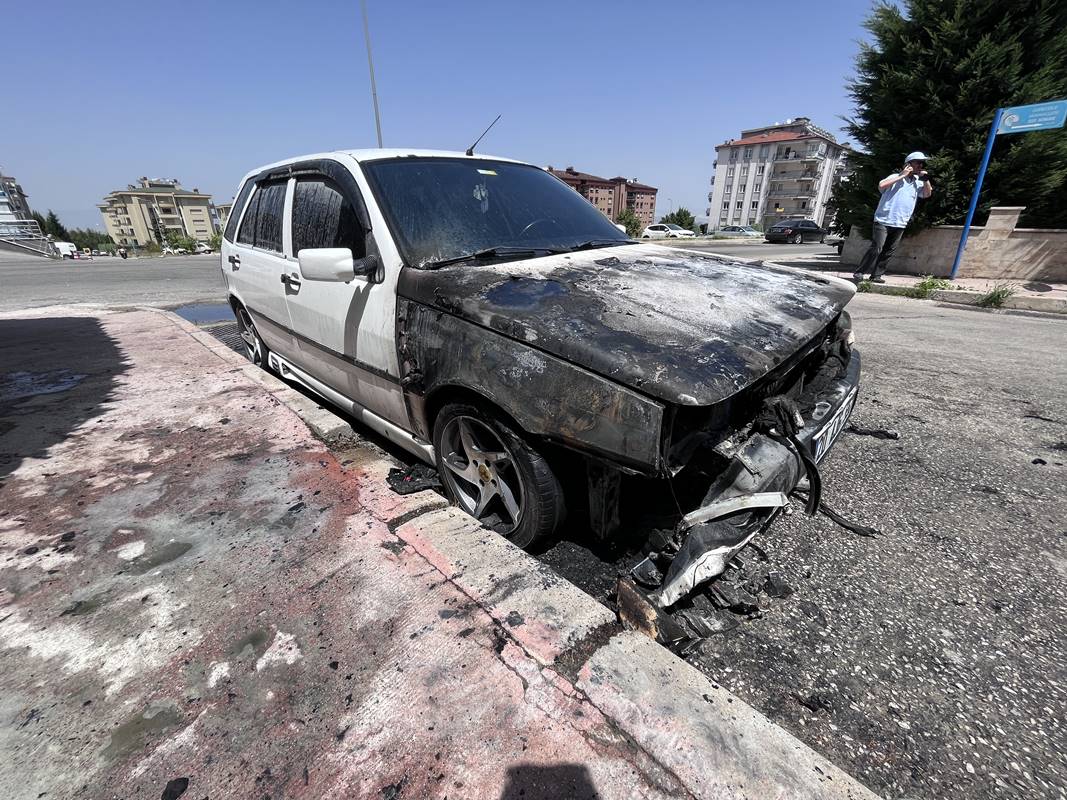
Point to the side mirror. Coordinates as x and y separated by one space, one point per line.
335 264
326 264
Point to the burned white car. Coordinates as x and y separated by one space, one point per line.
484 316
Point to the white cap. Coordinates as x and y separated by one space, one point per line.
916 156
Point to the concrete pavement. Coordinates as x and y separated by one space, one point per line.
197 594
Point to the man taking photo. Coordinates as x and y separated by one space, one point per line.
899 193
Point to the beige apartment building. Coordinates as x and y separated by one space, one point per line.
148 211
782 171
612 195
222 211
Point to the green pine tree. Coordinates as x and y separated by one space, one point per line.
53 226
682 217
931 79
631 222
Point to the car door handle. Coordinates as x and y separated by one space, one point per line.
291 281
235 262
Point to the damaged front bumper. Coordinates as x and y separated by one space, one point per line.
763 470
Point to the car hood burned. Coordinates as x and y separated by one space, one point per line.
680 326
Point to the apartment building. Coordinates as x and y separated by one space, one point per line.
149 210
13 202
223 211
776 172
612 195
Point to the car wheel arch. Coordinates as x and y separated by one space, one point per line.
445 394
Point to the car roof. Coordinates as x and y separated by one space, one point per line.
377 154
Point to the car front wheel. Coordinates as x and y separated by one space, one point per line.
493 474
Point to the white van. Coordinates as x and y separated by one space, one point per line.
66 249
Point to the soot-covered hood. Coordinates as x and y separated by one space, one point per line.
683 327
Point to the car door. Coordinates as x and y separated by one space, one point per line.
346 332
256 263
809 230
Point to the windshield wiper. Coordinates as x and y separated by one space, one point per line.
494 252
592 244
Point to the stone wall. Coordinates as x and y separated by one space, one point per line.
998 250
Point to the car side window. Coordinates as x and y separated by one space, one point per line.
269 216
247 234
324 217
235 212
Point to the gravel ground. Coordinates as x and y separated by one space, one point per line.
931 661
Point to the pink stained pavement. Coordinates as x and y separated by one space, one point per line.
192 590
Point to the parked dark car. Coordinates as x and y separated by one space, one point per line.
795 231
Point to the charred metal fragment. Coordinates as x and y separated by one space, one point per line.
638 614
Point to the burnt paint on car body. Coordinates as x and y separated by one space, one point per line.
547 396
684 328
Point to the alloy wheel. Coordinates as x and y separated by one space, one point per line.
250 336
481 472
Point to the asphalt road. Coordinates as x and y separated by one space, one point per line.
930 661
28 282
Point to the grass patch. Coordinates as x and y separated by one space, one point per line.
996 296
928 285
863 286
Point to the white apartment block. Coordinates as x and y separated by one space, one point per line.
781 171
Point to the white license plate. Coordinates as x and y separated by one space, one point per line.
822 440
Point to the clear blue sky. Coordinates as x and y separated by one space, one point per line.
204 91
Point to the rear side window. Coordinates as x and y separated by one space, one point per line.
324 217
235 212
248 224
269 217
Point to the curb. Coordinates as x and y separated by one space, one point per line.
713 742
1044 305
1047 305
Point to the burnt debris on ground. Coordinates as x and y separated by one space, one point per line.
415 478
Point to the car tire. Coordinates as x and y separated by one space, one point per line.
255 349
468 441
798 238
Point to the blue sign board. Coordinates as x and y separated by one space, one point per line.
1036 117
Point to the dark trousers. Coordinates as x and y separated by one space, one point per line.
883 242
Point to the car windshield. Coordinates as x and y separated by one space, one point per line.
447 209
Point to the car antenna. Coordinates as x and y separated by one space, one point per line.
470 150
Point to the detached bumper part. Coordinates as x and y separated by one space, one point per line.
741 501
706 551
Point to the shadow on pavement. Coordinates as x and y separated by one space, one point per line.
55 374
536 782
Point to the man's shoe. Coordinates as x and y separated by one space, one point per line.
857 278
879 279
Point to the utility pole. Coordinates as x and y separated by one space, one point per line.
370 63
